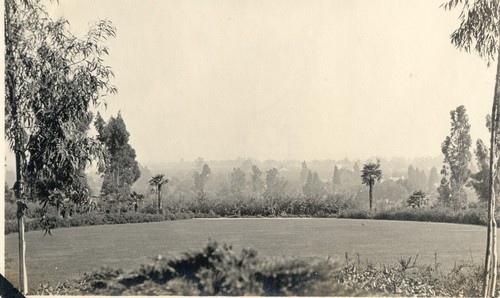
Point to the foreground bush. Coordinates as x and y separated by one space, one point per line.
219 270
215 270
407 278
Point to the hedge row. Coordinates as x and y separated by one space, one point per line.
332 206
92 219
473 216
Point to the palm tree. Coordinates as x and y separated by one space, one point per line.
136 197
157 181
371 172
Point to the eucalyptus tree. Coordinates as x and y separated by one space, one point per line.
314 186
238 181
200 180
52 78
304 173
433 179
336 177
122 169
479 181
457 157
157 182
256 180
275 185
479 31
370 174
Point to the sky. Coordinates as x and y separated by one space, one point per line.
223 79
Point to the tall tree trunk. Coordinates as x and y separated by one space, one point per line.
23 276
490 270
159 199
371 196
18 146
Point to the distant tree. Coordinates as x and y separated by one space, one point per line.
200 180
199 162
157 182
356 170
389 193
406 184
417 199
444 188
318 186
314 186
182 187
457 156
275 185
136 198
238 181
416 178
336 177
256 180
246 165
369 175
412 175
479 181
422 180
433 179
308 188
142 184
8 193
304 173
122 169
347 177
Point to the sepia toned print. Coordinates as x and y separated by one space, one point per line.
297 148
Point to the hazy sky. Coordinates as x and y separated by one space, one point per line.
286 79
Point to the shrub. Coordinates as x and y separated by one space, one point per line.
214 270
476 216
464 280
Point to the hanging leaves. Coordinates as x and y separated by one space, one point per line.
479 30
52 79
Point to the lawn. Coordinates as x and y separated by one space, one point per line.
68 253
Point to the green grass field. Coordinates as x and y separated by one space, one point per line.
71 252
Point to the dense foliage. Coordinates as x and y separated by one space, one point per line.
480 180
456 150
121 170
52 78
